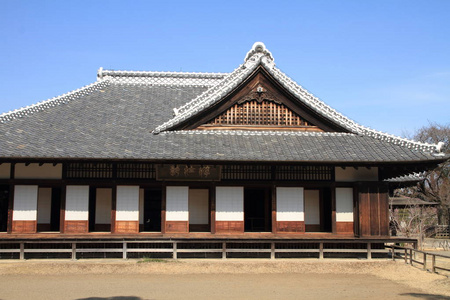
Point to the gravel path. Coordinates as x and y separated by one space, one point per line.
216 279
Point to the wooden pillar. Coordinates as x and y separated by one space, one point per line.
62 212
113 208
274 208
10 208
163 208
11 200
333 209
212 205
356 211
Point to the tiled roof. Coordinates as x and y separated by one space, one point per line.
114 118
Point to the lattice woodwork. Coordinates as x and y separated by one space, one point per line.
255 172
305 173
89 170
265 113
135 171
243 172
110 170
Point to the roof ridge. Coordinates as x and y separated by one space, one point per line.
58 100
123 73
257 132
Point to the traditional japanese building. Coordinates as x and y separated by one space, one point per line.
165 154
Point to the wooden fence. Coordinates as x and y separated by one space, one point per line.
411 256
76 249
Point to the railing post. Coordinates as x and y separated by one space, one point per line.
369 250
124 251
424 261
410 257
224 250
393 252
175 256
321 250
74 251
272 250
433 263
406 256
22 251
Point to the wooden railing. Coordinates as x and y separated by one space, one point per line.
75 249
410 256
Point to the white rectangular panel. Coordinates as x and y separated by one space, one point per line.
177 198
230 203
103 206
127 208
25 202
290 204
77 203
44 206
198 206
312 207
344 204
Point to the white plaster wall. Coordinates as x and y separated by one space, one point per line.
312 207
77 203
103 206
290 204
351 174
230 203
141 206
198 206
177 199
344 204
25 202
127 208
5 170
34 171
44 205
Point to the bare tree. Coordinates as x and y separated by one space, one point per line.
413 221
436 185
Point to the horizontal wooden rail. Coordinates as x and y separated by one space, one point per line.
176 247
409 255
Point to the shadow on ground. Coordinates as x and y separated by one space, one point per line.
426 296
113 298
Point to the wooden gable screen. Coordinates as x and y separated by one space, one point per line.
265 113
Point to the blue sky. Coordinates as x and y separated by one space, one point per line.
384 64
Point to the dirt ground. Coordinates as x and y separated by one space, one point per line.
218 279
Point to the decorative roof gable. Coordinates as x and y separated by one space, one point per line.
260 57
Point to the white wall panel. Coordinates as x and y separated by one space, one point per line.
344 204
312 207
290 204
44 205
35 171
177 198
127 208
77 203
198 206
5 170
141 206
103 206
25 202
351 174
230 203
